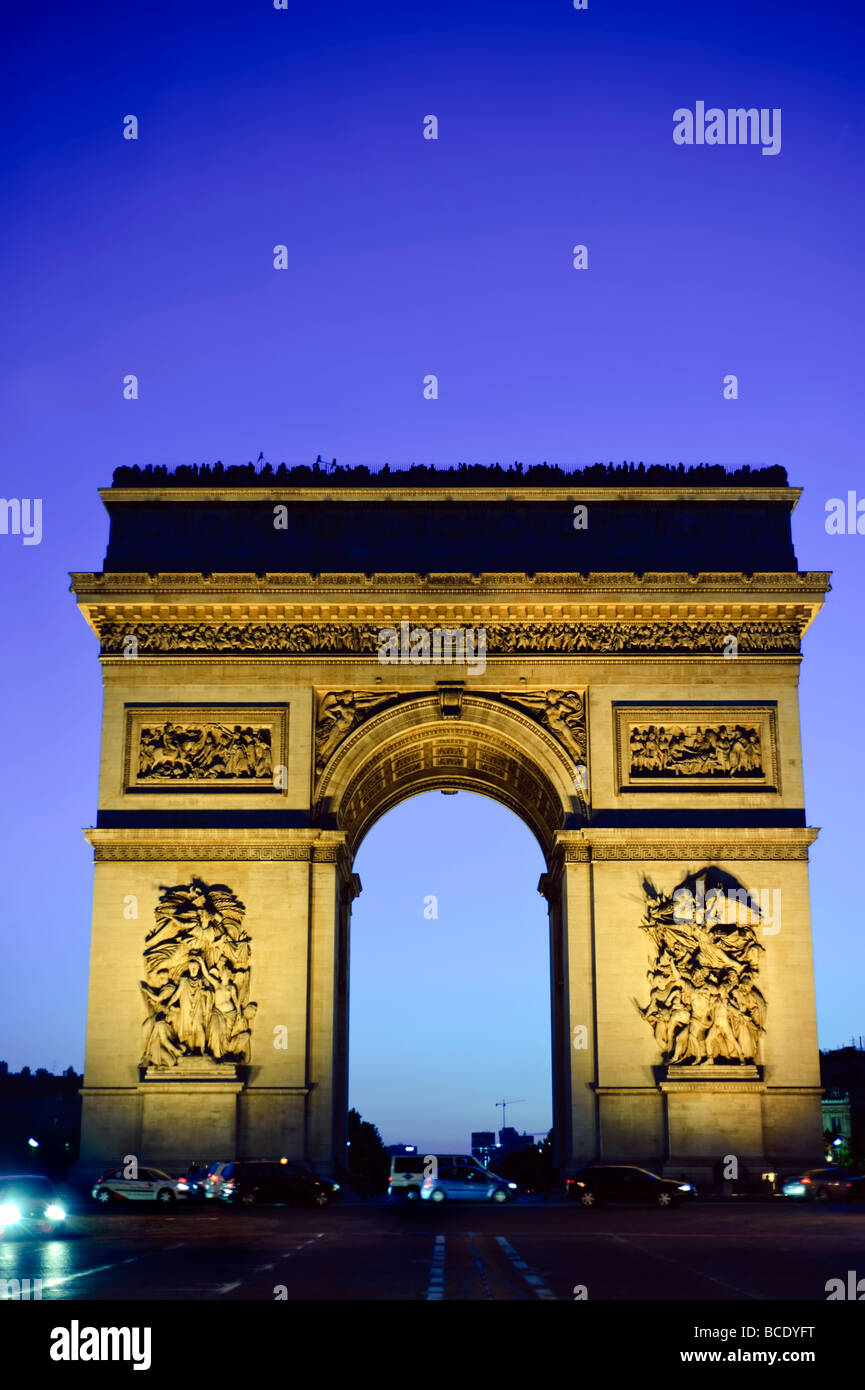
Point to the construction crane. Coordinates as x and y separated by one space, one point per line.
504 1104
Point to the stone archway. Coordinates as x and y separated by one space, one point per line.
644 724
453 739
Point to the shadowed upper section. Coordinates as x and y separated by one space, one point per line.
468 519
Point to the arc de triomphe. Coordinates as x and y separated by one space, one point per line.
622 672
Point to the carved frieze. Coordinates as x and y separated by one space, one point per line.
197 973
704 1006
506 638
694 750
184 747
703 745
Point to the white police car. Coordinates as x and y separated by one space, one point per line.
149 1185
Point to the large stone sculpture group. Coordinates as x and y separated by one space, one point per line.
196 990
704 1004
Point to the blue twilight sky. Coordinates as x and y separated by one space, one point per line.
406 257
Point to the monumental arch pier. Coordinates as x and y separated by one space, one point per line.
618 658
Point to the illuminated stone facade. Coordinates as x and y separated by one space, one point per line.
645 725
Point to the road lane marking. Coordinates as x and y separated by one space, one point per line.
288 1254
436 1286
528 1275
480 1267
56 1280
701 1274
258 1269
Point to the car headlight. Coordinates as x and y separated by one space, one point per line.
55 1213
9 1214
512 1186
685 1187
335 1187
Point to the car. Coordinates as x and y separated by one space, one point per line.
260 1182
151 1185
210 1180
30 1205
408 1171
794 1189
193 1183
619 1182
820 1185
463 1182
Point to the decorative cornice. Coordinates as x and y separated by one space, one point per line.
686 847
685 851
754 1087
611 582
194 846
567 488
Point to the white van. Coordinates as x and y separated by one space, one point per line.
407 1171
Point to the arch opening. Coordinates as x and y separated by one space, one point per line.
450 983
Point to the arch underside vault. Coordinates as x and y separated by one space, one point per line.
414 747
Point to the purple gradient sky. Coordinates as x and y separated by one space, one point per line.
409 257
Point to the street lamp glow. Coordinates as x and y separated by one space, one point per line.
33 1143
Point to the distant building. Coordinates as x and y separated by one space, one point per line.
511 1142
40 1118
483 1145
837 1114
842 1075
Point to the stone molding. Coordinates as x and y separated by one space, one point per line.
612 582
191 846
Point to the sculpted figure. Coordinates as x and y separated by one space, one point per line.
339 713
193 1002
159 1049
563 713
721 1040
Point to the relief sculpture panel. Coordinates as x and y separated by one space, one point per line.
196 990
211 749
704 1002
661 747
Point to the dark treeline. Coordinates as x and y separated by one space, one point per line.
466 474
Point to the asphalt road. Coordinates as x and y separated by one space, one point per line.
383 1250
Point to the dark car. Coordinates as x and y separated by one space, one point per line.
30 1206
254 1182
856 1188
193 1182
593 1187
